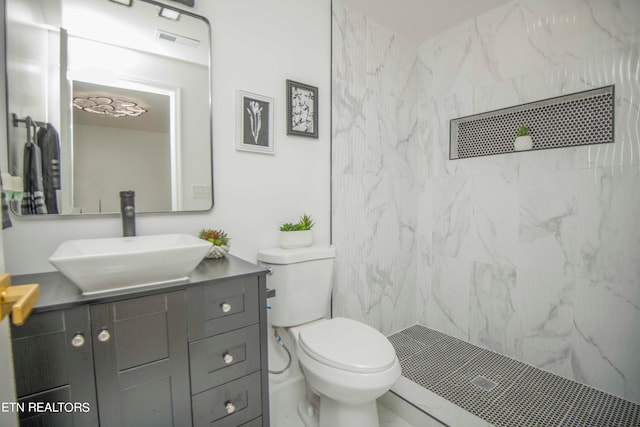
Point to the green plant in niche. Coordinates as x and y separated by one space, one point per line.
305 223
523 130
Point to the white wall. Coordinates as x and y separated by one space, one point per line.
28 66
256 47
101 170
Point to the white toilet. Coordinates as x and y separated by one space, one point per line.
347 363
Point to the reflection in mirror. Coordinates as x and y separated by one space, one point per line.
100 169
128 91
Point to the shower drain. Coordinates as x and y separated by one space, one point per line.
484 383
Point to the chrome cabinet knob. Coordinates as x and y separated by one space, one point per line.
231 408
104 335
228 358
226 307
77 340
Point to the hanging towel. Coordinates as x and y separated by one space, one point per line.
33 200
6 220
49 143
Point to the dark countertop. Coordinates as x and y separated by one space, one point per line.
57 292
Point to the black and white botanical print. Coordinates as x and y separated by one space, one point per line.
302 104
256 122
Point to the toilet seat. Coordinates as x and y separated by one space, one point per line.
348 345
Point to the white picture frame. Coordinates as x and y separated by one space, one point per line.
255 123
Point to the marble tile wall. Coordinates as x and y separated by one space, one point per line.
374 171
535 255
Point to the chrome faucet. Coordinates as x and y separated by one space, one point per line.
128 211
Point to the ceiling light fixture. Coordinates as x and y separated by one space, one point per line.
175 38
108 106
169 13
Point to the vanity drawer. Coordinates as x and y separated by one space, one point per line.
222 306
231 404
222 358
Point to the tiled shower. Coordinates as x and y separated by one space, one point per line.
534 255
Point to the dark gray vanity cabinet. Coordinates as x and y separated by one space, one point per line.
127 359
184 355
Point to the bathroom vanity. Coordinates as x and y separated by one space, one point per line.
192 353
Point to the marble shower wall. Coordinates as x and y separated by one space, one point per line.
537 254
374 172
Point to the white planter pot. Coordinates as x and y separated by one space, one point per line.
296 239
523 143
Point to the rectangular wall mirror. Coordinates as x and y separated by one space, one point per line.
104 97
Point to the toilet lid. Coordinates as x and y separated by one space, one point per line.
347 344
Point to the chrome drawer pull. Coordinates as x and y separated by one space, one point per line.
77 340
231 408
228 358
104 335
226 307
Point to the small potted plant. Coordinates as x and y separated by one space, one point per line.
219 241
298 235
523 140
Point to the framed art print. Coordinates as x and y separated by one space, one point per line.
255 123
302 109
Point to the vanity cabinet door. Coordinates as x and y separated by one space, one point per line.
141 361
53 362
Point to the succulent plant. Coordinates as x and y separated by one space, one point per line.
217 237
305 223
288 226
523 130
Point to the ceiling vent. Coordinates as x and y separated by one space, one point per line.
175 38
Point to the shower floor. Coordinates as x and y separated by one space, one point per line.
501 390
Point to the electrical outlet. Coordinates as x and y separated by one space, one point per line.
201 192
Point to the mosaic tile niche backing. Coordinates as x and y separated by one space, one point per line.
580 118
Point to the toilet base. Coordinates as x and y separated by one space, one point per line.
338 414
308 409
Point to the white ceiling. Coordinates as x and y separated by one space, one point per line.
420 20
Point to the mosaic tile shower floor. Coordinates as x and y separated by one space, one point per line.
501 390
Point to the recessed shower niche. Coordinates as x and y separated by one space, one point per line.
580 118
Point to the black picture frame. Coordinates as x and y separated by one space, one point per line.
302 109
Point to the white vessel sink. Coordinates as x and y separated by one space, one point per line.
100 265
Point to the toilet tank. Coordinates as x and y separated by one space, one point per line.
302 279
